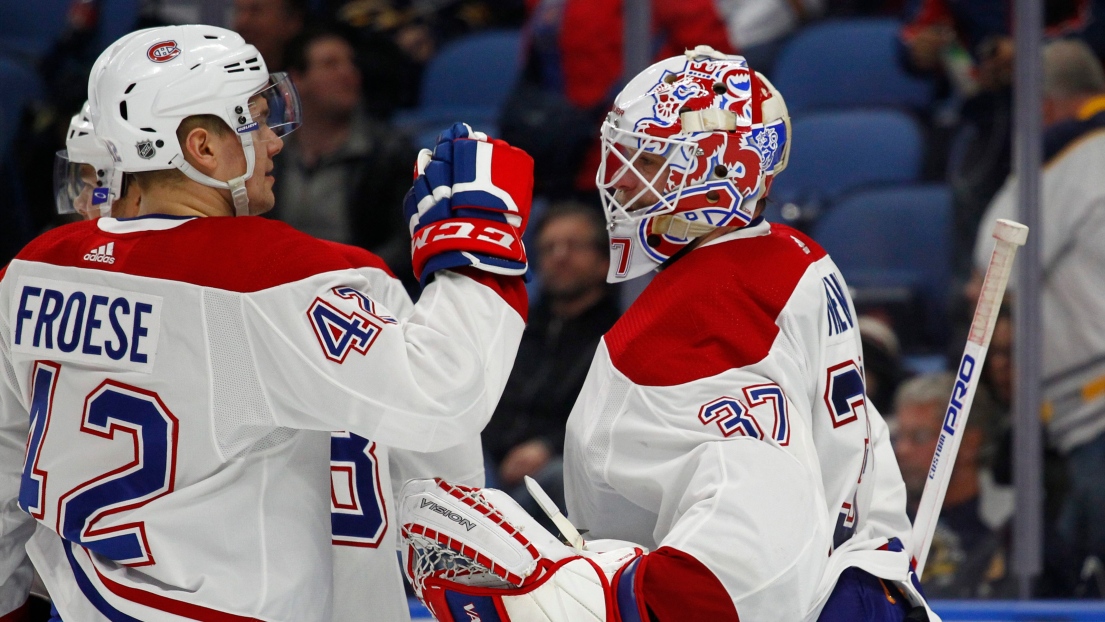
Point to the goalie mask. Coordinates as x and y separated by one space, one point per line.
692 144
144 85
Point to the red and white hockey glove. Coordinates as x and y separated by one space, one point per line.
469 204
475 554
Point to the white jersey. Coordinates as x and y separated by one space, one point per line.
725 417
1072 306
367 574
181 379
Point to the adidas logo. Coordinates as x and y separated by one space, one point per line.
103 254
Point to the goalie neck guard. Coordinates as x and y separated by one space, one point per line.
692 144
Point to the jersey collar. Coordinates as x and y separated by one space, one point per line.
150 222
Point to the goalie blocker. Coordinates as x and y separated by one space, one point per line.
474 553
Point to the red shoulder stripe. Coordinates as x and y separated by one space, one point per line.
511 288
236 254
361 258
712 310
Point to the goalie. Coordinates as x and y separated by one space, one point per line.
724 423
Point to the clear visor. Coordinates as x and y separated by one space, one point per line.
80 188
277 106
634 171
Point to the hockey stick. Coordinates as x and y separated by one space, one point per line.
548 506
1009 235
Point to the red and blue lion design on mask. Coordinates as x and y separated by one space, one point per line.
710 181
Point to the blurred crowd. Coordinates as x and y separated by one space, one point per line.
361 67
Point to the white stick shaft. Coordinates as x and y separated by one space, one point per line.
567 529
1010 236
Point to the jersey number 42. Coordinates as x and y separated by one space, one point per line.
112 410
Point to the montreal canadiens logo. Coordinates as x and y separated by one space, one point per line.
163 52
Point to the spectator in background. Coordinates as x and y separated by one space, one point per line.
882 360
969 43
342 177
526 434
761 27
937 30
574 69
28 206
968 46
1073 304
997 375
997 380
269 25
395 39
968 554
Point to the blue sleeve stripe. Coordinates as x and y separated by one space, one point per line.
628 608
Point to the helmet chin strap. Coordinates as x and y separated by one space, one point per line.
236 186
675 226
118 187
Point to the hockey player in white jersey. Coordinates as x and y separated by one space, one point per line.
170 382
723 425
366 571
366 575
85 180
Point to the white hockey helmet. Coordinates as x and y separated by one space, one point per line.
716 133
85 177
145 84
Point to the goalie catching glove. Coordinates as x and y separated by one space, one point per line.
474 553
469 204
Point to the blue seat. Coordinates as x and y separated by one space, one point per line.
843 63
117 18
840 151
894 245
29 29
18 86
469 80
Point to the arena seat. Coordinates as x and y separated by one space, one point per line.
893 246
844 63
840 151
117 18
468 80
20 85
29 29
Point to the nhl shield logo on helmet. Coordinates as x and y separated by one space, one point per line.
145 149
163 51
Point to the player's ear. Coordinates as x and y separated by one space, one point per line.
200 150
